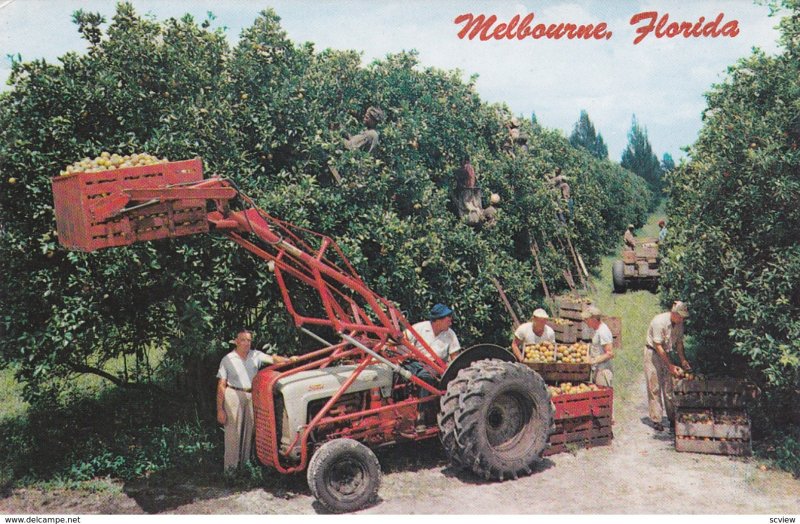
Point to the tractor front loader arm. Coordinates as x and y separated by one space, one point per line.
126 206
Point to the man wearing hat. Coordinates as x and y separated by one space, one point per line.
437 334
664 336
630 242
532 332
601 350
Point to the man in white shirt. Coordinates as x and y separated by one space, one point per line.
234 398
601 350
437 334
532 332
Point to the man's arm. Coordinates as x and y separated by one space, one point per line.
684 363
515 348
222 417
608 355
675 371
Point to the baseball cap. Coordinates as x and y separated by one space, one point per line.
591 311
680 308
540 313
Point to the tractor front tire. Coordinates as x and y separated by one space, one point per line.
344 475
502 417
618 276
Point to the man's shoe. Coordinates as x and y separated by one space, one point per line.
658 426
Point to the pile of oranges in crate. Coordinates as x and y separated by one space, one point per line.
548 352
108 161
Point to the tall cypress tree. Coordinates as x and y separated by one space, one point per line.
584 135
639 158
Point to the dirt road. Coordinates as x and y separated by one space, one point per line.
639 473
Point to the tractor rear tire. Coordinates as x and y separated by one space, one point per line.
344 475
448 406
618 276
502 418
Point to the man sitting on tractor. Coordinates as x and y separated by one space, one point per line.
437 334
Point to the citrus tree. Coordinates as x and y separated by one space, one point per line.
272 116
733 249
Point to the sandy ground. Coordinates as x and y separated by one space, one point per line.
639 473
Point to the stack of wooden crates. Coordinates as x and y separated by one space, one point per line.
710 416
581 419
571 307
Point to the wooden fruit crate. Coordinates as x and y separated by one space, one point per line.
571 307
557 372
565 333
713 393
585 432
590 404
78 196
582 420
716 435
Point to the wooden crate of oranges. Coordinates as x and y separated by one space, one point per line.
558 363
566 330
720 432
571 306
583 417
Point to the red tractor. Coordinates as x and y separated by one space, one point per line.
327 410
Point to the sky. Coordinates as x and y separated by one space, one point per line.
660 80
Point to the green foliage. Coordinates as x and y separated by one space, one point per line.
639 158
734 216
115 433
584 135
271 115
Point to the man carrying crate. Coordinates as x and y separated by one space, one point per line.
532 332
602 349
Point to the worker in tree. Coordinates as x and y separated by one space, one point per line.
534 331
662 233
437 333
601 350
234 397
664 337
564 193
367 139
516 137
629 238
467 195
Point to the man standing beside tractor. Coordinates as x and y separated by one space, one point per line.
602 349
234 397
664 335
532 332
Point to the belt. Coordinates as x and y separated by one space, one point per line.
246 390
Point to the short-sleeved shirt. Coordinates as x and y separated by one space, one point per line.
239 372
602 337
662 331
526 334
444 344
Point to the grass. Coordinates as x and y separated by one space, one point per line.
637 309
11 402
